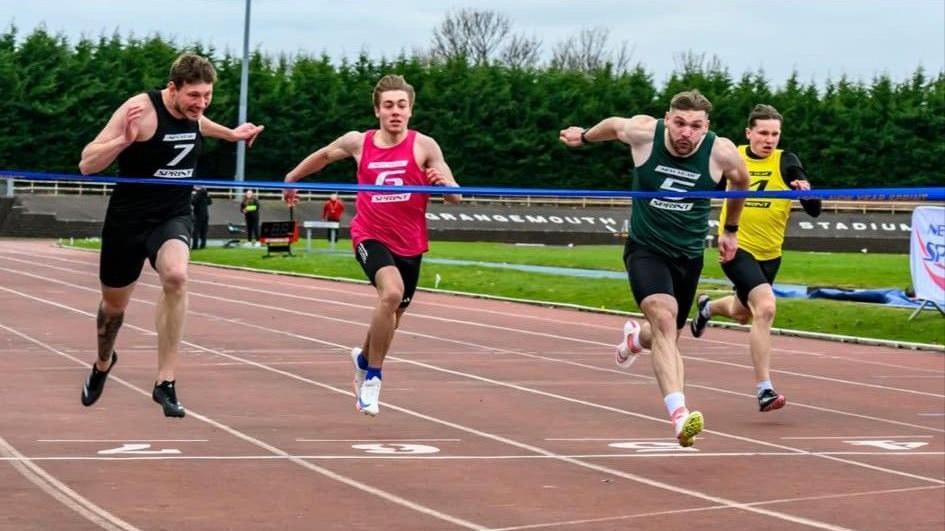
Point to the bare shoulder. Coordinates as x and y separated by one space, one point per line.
138 100
724 150
426 141
427 147
639 129
350 141
147 115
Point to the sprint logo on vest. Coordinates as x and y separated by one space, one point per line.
174 174
389 177
680 181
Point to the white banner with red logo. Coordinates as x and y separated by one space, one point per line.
927 255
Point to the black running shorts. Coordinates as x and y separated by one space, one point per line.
747 273
651 272
373 255
126 244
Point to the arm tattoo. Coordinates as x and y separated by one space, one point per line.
108 326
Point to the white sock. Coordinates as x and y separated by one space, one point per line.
674 401
762 385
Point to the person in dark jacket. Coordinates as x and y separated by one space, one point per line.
250 209
200 202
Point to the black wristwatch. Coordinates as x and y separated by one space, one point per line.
731 228
584 139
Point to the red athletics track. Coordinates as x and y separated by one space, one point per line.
494 415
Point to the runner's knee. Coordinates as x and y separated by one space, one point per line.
391 297
662 319
174 279
764 312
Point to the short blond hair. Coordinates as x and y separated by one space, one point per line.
392 82
690 100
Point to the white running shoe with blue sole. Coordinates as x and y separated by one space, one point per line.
369 397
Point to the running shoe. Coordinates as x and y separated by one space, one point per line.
369 397
698 323
166 395
687 425
626 352
769 400
359 374
95 383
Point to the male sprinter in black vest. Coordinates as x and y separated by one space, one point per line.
156 134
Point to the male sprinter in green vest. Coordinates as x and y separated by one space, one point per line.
663 255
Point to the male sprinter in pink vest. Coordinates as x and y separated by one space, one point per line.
389 230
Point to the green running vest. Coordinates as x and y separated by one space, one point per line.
674 226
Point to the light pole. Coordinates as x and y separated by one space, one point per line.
244 87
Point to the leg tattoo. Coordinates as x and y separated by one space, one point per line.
108 326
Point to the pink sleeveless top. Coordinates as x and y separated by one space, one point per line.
396 220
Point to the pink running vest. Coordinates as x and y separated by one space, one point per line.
396 220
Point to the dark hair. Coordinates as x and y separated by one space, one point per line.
191 68
763 112
690 100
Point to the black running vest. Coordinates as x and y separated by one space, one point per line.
171 153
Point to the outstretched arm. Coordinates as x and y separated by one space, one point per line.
630 131
438 172
247 131
736 173
342 147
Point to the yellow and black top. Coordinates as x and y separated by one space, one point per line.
764 220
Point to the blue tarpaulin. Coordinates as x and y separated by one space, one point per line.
888 297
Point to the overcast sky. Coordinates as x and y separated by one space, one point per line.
819 39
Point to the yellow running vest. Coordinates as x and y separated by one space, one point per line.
764 220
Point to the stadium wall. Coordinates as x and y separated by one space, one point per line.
63 216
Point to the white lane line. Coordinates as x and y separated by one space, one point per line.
389 496
378 440
572 339
344 348
866 437
378 492
492 349
605 439
60 491
117 440
305 283
668 454
709 508
537 334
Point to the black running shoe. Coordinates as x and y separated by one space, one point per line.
95 383
697 325
165 395
769 400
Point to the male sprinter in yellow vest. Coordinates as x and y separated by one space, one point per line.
756 262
